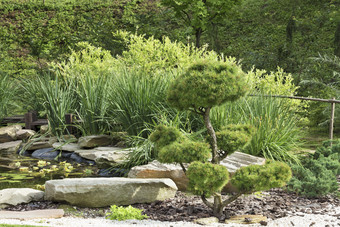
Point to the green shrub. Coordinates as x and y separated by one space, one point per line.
7 95
163 135
206 178
124 213
234 137
201 85
184 151
318 174
258 178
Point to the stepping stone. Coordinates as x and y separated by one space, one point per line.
246 219
33 214
102 192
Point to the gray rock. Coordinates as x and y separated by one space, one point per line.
41 144
70 147
15 196
101 192
94 141
8 133
111 154
24 134
10 147
156 169
45 153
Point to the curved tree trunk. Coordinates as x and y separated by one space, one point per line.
212 134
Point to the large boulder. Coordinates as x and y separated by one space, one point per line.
94 141
102 192
8 133
15 196
156 169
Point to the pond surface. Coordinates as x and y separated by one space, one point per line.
24 172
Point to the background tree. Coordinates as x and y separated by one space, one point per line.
204 85
198 14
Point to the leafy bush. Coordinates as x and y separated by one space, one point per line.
124 213
318 174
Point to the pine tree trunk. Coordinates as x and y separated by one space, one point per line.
212 134
218 206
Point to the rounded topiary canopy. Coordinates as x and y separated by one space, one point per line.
207 84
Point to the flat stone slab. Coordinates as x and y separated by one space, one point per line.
102 192
70 147
33 214
94 141
111 154
15 196
238 159
12 146
247 219
156 169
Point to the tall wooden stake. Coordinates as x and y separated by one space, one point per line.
331 124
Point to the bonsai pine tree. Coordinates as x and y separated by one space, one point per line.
204 85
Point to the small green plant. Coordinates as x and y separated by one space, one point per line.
317 176
124 213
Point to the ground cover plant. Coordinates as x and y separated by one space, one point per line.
124 213
317 176
204 85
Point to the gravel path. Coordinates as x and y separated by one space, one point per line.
307 220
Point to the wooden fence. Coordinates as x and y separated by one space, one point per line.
331 101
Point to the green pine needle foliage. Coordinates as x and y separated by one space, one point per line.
125 213
234 137
207 84
164 135
184 151
317 176
262 177
206 178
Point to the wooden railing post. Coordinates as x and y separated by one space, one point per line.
30 117
331 123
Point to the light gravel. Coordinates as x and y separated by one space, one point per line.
308 220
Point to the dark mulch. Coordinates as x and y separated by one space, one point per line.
273 204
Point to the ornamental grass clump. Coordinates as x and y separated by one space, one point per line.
204 85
